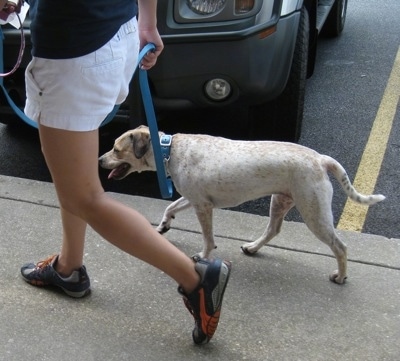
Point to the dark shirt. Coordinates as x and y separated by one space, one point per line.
62 29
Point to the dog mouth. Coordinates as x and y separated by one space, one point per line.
119 172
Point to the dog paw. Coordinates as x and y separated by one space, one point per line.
197 256
162 230
246 251
334 277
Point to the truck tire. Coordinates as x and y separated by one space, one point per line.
335 22
281 118
8 116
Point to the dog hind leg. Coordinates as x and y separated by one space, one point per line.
169 214
339 249
280 205
317 215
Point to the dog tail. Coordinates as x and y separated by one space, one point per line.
340 174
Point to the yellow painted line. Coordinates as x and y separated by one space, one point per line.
353 216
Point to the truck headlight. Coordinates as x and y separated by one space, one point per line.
210 11
206 7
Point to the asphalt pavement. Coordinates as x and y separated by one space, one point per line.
279 304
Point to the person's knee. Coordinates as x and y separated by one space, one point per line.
82 205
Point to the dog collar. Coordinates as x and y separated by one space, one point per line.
165 142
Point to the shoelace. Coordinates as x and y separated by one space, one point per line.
190 308
42 264
188 305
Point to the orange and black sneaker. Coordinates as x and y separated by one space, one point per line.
43 274
204 303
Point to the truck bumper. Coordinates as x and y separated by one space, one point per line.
256 67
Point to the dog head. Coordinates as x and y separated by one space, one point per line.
132 152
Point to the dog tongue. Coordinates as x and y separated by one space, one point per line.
119 171
112 173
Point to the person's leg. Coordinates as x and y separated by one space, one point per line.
93 87
72 160
73 240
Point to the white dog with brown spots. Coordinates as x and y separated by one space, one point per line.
213 172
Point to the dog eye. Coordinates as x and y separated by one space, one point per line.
116 151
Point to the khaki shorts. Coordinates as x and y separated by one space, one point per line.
78 93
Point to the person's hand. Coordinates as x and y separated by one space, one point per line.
150 36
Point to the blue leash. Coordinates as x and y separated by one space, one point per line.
161 147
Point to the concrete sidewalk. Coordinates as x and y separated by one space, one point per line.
279 304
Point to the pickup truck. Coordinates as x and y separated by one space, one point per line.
253 54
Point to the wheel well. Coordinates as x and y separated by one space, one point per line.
311 6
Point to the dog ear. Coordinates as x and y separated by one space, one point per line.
140 144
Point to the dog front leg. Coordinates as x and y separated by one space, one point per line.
204 215
169 214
